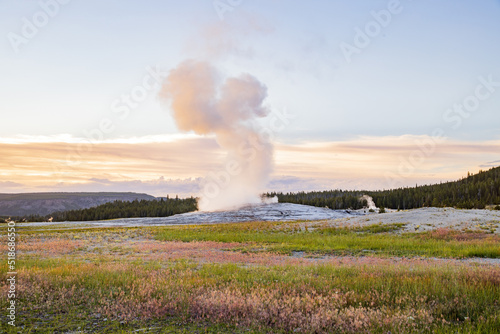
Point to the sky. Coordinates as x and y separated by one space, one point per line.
370 94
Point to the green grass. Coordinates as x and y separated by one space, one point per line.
285 238
75 323
123 289
380 228
466 299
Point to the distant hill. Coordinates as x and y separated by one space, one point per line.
46 203
162 207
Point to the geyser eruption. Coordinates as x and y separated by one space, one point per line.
208 104
370 202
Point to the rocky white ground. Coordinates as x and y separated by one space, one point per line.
263 212
426 219
415 220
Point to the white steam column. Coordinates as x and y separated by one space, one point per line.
201 100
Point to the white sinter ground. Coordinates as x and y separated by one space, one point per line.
415 220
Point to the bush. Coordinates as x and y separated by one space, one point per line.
496 207
371 210
381 210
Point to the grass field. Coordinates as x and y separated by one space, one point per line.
254 278
324 239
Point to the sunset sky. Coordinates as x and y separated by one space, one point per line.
369 94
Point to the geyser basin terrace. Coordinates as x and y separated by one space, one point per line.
257 212
327 276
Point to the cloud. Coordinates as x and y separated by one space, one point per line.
490 164
139 165
186 158
191 187
159 187
8 186
229 37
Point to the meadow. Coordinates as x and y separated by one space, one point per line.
261 277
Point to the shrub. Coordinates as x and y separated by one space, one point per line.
381 210
496 207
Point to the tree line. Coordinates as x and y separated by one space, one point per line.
163 207
476 191
332 199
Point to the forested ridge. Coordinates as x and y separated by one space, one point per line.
474 191
163 207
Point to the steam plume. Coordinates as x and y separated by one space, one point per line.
204 102
369 200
